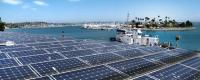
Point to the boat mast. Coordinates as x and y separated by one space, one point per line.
128 15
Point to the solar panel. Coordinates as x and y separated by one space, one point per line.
181 53
87 46
94 73
131 53
64 38
42 78
61 49
39 58
146 49
26 53
63 42
177 72
7 47
39 44
111 43
78 53
8 63
134 66
156 49
2 56
107 49
45 40
194 63
16 73
144 78
128 46
85 41
17 49
70 44
48 46
101 58
162 57
52 67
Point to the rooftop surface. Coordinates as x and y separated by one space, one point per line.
41 57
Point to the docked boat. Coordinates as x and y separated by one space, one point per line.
135 36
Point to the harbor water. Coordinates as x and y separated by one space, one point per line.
189 39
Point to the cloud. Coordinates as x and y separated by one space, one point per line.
74 0
12 2
40 3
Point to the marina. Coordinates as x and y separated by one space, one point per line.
188 37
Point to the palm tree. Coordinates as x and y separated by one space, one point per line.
166 18
2 25
158 17
147 18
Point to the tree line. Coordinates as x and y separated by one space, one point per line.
158 22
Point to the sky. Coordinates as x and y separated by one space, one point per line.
96 10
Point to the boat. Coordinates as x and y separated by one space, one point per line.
100 26
135 36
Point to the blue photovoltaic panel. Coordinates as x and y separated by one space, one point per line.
26 53
146 49
16 73
91 46
70 44
65 38
46 40
101 58
86 41
8 63
63 42
46 45
181 50
131 53
194 62
94 73
39 44
48 68
17 49
39 58
42 47
144 78
9 47
61 49
181 53
2 56
134 66
128 46
111 43
108 49
42 78
156 49
162 57
78 53
176 72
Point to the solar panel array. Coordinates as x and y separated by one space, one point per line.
40 57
